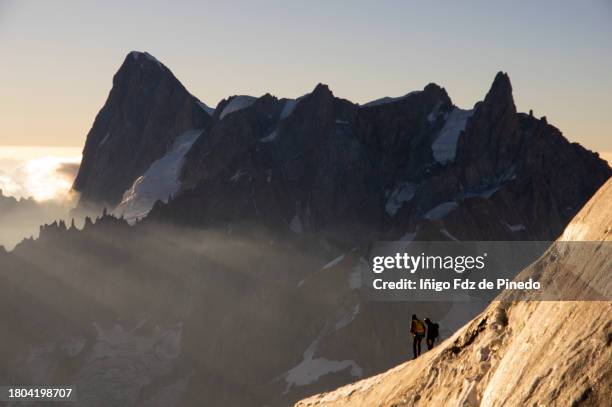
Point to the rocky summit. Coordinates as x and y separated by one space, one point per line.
146 111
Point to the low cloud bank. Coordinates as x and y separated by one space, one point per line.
35 188
42 178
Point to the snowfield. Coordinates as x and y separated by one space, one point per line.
445 145
159 182
237 103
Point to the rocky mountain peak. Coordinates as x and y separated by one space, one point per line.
143 58
500 94
320 94
437 91
492 138
322 89
141 66
146 110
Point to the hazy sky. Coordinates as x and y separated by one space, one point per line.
58 57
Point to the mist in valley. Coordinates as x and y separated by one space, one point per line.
167 309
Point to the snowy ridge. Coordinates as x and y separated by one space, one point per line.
159 182
388 99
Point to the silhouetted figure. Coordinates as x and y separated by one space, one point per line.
417 329
432 333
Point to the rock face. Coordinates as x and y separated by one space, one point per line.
516 353
303 165
492 139
146 110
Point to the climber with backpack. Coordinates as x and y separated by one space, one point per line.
432 333
417 329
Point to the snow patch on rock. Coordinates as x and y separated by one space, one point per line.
444 146
290 106
270 138
448 234
237 103
440 211
348 318
514 228
403 193
159 182
311 369
334 262
237 175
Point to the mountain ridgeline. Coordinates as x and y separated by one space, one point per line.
413 166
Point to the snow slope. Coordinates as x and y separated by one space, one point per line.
237 103
388 99
159 182
529 353
445 145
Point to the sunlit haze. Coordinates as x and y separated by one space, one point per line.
42 173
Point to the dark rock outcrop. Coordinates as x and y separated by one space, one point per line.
491 141
146 110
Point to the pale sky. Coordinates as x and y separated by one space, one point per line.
58 57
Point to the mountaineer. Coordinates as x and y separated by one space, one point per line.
432 333
417 329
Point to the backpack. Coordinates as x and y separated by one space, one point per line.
419 327
434 331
